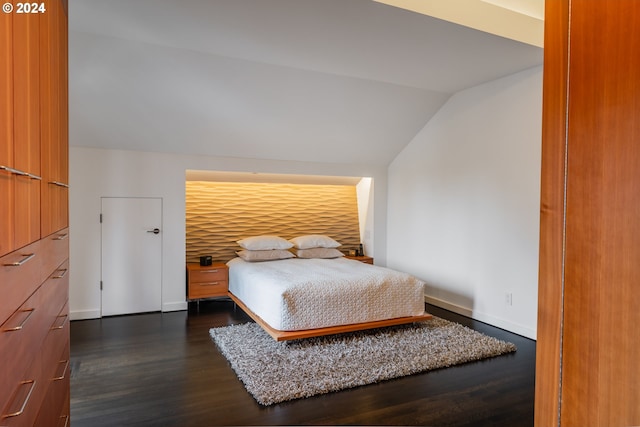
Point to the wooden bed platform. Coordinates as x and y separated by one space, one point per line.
279 335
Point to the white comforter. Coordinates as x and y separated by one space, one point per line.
298 294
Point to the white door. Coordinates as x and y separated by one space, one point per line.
131 255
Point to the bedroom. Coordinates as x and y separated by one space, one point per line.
505 119
453 172
115 155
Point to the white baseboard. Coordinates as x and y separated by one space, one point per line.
97 314
483 317
84 314
175 306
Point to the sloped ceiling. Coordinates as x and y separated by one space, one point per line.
347 81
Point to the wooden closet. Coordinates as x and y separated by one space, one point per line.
34 244
588 348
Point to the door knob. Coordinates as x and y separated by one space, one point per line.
154 231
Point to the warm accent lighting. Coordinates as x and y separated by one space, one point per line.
220 213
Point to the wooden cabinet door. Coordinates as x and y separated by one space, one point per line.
587 370
26 119
20 131
6 133
54 114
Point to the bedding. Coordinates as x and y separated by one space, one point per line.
317 253
300 294
314 241
263 243
264 255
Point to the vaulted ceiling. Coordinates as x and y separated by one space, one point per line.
349 81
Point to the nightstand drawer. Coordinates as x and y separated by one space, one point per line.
362 258
208 289
209 281
208 275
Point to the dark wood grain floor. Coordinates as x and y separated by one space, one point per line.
164 370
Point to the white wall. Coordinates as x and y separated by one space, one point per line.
96 173
366 208
463 206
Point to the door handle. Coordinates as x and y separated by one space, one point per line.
154 231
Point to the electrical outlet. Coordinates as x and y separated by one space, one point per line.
508 298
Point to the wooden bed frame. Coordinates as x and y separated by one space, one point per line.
279 335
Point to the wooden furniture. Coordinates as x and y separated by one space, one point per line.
365 259
587 370
34 243
315 298
207 281
279 335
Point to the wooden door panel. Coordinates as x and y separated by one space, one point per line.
26 90
54 118
6 133
600 371
550 289
27 211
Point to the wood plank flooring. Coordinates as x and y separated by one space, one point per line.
163 370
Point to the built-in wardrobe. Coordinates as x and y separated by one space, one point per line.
34 238
588 346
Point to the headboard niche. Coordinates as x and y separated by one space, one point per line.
218 214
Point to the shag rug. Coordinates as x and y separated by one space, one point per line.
274 372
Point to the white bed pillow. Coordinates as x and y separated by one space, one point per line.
314 241
318 253
266 255
263 243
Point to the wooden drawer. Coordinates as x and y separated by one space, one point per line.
26 395
37 395
57 289
362 258
207 281
20 339
208 275
208 289
23 334
55 249
57 339
21 273
55 378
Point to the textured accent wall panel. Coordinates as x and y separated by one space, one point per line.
220 213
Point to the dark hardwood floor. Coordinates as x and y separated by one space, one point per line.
164 370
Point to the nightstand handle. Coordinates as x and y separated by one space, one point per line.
210 284
209 271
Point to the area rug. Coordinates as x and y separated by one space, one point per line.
274 372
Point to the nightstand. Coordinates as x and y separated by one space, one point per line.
365 259
207 281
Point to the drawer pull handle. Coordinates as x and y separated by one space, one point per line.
59 184
210 284
209 271
26 258
24 403
7 169
64 371
20 173
61 236
24 321
63 421
64 273
13 171
61 325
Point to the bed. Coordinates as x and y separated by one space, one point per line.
297 298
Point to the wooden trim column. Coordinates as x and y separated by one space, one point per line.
552 199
